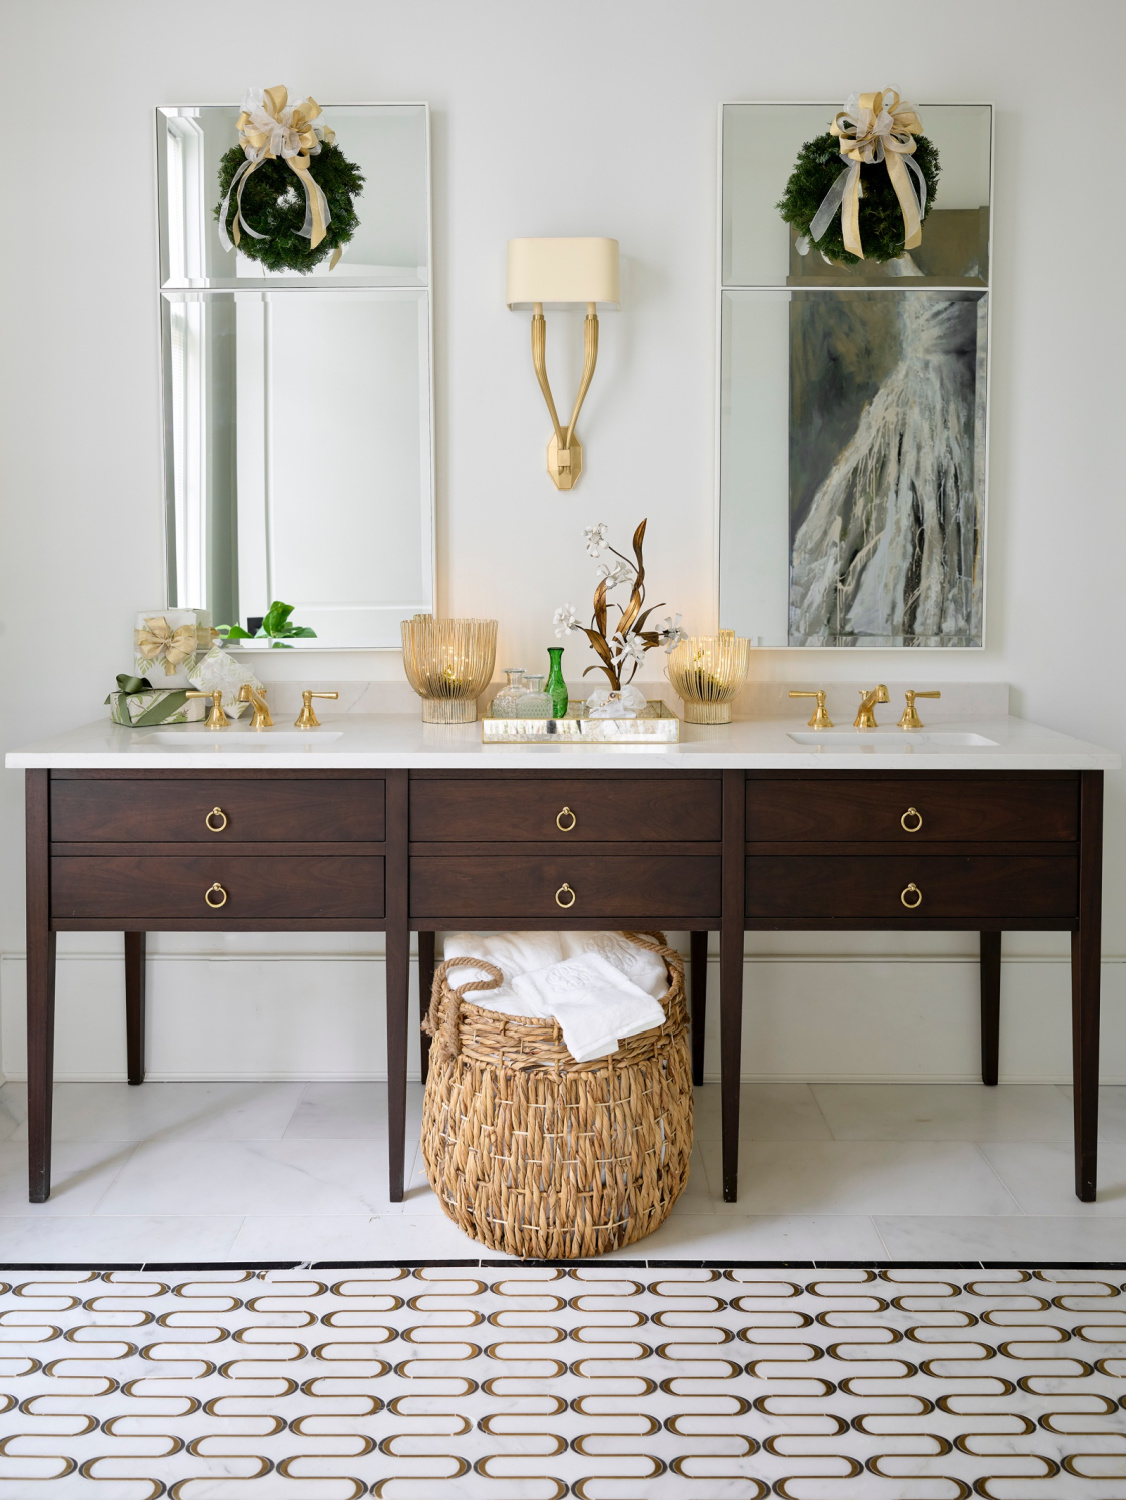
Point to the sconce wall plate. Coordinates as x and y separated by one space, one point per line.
563 272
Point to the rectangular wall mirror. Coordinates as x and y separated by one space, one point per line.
298 409
852 402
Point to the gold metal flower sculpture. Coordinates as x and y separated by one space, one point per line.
621 651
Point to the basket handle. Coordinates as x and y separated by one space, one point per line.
430 1025
655 942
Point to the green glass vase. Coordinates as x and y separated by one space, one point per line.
555 684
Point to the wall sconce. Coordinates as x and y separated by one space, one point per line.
560 273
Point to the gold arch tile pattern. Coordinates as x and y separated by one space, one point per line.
538 1381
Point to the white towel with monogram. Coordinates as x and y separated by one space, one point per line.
612 994
596 1005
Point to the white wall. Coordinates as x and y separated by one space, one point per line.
593 118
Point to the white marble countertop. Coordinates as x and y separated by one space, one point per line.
352 741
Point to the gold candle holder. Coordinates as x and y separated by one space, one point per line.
449 663
707 671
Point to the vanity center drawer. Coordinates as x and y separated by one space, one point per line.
547 809
216 810
558 885
894 887
912 811
196 890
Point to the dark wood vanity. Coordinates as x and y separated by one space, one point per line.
393 851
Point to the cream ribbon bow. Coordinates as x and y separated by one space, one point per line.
874 128
159 639
271 129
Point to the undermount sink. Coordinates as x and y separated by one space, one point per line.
241 739
886 741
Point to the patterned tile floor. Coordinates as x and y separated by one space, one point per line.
263 1172
536 1382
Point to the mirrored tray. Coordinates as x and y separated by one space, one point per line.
658 726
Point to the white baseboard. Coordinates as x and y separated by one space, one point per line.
822 1017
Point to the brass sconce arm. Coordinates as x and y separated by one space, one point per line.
565 452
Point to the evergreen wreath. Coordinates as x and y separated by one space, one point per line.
273 203
818 166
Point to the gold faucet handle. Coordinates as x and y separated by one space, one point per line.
821 719
307 719
217 718
910 719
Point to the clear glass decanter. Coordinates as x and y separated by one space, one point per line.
504 704
534 703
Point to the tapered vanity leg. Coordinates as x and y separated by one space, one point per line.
40 990
1086 965
731 972
990 967
699 984
425 984
135 1006
397 970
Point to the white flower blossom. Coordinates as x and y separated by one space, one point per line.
626 649
595 538
670 634
621 572
565 620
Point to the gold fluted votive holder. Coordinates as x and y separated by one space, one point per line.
449 663
707 671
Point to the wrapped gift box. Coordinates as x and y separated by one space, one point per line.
139 705
166 643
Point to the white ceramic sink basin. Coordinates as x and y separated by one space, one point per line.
189 738
889 741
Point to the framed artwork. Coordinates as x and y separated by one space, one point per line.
853 404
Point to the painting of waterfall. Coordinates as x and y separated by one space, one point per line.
886 467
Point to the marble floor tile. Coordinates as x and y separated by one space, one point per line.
430 1236
336 1178
171 1111
81 1175
294 1237
1042 1180
1018 1237
350 1111
767 1112
781 1237
944 1112
1112 1111
859 1177
107 1238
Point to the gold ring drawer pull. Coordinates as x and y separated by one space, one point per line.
912 812
565 890
559 823
912 890
216 812
212 890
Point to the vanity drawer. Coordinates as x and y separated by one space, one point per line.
643 886
144 887
181 810
964 886
638 810
858 810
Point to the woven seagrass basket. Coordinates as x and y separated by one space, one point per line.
537 1155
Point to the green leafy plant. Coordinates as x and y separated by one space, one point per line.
273 203
275 627
819 165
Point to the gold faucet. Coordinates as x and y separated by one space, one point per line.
821 719
866 718
307 719
262 718
217 718
910 719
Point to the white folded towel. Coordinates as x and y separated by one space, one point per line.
593 1001
599 986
